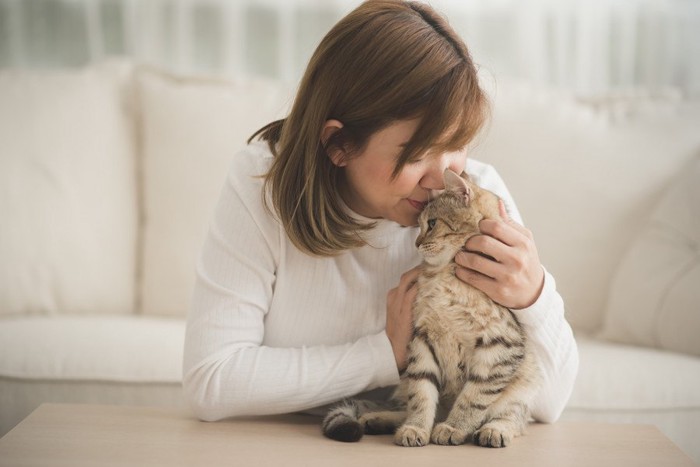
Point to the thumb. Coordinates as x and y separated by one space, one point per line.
508 220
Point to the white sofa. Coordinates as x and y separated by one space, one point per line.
108 176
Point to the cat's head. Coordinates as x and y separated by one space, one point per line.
452 217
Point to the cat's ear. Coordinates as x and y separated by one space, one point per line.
454 182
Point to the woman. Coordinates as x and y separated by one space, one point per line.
306 280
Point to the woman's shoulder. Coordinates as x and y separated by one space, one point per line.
247 169
246 178
240 217
250 164
483 174
486 176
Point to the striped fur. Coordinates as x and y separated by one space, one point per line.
470 366
352 418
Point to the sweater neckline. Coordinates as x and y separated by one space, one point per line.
382 227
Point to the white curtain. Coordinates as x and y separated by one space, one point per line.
593 47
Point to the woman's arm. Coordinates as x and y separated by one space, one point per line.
227 370
520 280
553 342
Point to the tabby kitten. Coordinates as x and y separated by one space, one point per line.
470 365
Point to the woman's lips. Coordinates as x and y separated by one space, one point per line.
419 205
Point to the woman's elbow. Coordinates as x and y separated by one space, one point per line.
550 415
205 397
202 405
555 395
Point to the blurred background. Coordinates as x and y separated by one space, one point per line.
590 47
109 174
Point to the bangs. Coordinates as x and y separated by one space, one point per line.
454 112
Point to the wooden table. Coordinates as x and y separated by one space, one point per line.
93 435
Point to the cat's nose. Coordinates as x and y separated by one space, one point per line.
419 240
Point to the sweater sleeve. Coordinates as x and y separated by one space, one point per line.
227 371
553 342
545 324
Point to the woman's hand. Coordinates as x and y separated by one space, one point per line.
399 315
515 279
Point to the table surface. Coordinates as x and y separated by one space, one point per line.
93 435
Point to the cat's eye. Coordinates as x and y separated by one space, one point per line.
431 223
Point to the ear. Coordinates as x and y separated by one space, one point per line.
454 182
337 155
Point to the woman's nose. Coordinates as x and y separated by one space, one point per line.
433 177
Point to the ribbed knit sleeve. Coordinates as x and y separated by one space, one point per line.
544 321
553 341
227 369
273 330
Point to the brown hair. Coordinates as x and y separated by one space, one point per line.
385 61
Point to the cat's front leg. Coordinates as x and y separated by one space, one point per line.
492 371
504 424
468 412
422 405
421 382
446 434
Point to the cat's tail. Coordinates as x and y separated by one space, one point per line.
343 422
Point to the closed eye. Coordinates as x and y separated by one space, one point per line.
450 226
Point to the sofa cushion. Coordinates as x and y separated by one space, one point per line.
622 377
92 348
584 175
67 192
655 297
191 128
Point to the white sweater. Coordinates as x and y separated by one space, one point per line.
274 330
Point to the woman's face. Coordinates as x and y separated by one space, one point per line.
369 189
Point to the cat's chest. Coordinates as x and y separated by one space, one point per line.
452 308
454 317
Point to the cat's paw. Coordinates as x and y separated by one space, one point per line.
411 436
448 435
492 438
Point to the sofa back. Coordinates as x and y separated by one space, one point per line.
68 192
584 175
108 176
191 129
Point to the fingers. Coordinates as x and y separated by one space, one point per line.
411 292
408 279
476 279
405 287
399 317
507 219
478 263
503 211
502 262
498 290
499 281
486 245
509 232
